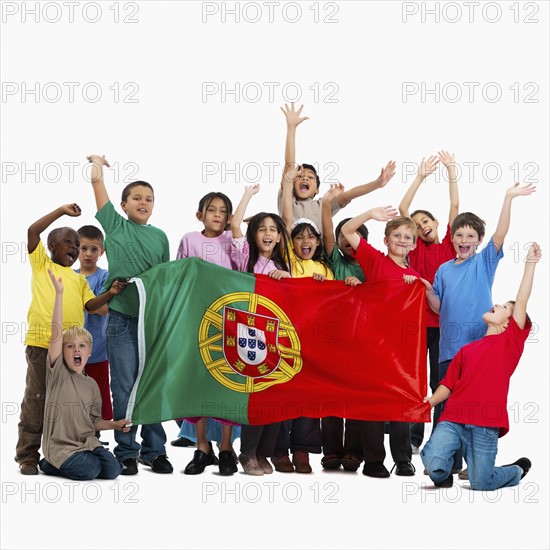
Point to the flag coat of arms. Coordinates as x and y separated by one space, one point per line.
220 343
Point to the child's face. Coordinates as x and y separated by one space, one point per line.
427 228
214 217
344 246
139 204
400 241
305 185
305 244
76 354
466 240
90 252
499 314
64 248
267 237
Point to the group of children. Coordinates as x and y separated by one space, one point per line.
463 328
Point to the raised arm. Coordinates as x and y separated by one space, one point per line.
293 120
503 225
425 168
238 216
35 230
329 240
448 159
100 191
55 348
381 214
288 186
386 174
520 308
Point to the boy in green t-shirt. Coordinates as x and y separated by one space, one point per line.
132 247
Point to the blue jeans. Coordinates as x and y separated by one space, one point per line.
84 465
480 450
443 368
122 350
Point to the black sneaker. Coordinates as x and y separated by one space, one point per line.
183 442
446 483
160 464
523 463
129 467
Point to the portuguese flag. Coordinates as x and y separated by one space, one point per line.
220 343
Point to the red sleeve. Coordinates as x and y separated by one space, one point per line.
453 373
366 256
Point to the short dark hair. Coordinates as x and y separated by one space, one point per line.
54 233
206 201
362 230
91 232
425 212
467 219
312 168
128 189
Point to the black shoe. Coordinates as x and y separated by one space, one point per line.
200 462
375 469
129 467
446 483
523 463
160 464
183 442
403 469
227 463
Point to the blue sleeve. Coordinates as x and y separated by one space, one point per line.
438 283
491 258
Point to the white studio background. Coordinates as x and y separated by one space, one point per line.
186 95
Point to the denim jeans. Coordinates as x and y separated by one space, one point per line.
122 350
480 450
443 368
84 465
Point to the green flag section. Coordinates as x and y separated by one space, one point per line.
220 343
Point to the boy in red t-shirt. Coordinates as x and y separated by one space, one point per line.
476 390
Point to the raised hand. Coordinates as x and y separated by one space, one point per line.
518 190
251 190
534 254
446 158
72 210
293 117
97 166
386 174
383 213
427 166
334 190
57 283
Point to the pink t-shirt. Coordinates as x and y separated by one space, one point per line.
377 266
216 250
241 254
479 378
426 259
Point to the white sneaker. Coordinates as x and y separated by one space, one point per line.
250 465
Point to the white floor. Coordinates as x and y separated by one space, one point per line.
319 510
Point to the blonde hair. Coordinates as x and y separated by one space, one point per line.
398 222
77 333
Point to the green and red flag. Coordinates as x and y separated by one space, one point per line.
220 343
